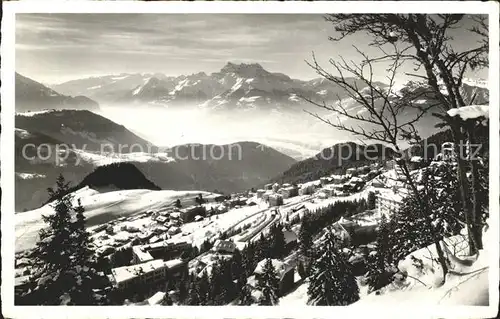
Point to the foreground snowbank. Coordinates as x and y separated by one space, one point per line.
466 283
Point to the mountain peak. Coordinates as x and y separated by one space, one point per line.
242 68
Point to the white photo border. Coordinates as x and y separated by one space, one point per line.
10 9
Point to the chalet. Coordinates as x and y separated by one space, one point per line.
325 180
267 194
260 192
187 214
268 187
351 171
140 255
275 200
284 270
239 201
338 179
290 191
275 187
161 219
309 187
363 169
173 230
224 246
165 249
322 194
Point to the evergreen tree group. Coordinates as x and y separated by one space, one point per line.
331 281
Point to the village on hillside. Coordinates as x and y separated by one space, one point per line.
149 252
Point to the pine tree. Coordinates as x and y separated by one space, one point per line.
237 267
245 298
193 297
301 270
244 294
203 288
277 243
305 237
63 267
178 203
371 200
182 287
379 274
263 248
268 284
332 282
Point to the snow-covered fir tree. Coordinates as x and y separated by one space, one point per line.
277 242
379 272
64 265
245 296
409 230
268 285
305 237
203 288
331 281
192 296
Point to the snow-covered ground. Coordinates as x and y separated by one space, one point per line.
100 208
424 286
466 285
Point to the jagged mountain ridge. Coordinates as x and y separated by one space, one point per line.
244 86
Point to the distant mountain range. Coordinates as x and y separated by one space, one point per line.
235 86
34 96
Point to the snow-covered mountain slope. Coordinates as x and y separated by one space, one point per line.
100 208
82 129
34 96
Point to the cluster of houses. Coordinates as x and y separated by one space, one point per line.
342 185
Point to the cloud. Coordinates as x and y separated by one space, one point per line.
79 44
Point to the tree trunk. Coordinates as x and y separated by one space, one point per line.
464 187
477 229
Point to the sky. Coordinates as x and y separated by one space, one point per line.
54 48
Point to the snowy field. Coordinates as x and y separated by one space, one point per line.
101 208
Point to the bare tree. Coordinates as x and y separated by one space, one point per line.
426 41
381 120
